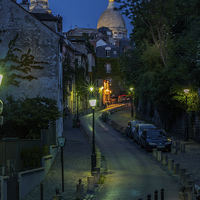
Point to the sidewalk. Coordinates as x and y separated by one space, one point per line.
190 160
77 165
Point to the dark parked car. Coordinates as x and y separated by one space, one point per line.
155 138
131 127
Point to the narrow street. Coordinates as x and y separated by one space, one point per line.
131 174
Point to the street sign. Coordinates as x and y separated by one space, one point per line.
1 106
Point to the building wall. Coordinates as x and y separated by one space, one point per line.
44 46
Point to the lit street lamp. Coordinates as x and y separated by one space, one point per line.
186 91
92 102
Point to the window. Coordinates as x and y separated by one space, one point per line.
107 49
108 68
107 53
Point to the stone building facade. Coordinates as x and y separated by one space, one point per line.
43 43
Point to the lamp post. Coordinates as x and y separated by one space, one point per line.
77 118
186 91
102 94
61 144
131 89
1 103
92 102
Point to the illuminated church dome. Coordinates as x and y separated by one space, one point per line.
39 6
114 20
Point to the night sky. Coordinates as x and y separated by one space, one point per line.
83 13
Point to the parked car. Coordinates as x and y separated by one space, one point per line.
131 127
139 129
155 138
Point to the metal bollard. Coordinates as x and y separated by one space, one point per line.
148 196
41 191
198 197
156 195
162 194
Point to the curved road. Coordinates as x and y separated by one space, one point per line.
131 174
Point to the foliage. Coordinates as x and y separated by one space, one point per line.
25 117
31 157
17 65
101 71
165 56
68 74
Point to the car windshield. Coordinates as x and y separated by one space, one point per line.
146 127
156 134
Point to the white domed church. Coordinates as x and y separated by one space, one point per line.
113 19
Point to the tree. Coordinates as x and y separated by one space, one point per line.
17 65
68 74
25 117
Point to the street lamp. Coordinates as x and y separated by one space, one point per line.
131 89
61 143
1 77
92 102
102 94
77 118
1 103
186 91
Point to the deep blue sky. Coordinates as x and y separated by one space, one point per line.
83 13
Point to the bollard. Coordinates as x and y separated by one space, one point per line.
191 183
198 197
148 196
173 150
182 147
176 168
164 160
186 177
98 158
159 156
90 180
80 191
181 172
95 174
41 191
170 164
56 197
156 195
162 194
188 189
154 152
97 169
183 196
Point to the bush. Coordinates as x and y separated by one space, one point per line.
25 117
31 157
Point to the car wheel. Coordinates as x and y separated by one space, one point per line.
147 148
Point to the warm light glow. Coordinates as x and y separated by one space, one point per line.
1 77
91 89
186 91
131 89
102 87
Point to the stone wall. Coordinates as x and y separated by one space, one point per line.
44 46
